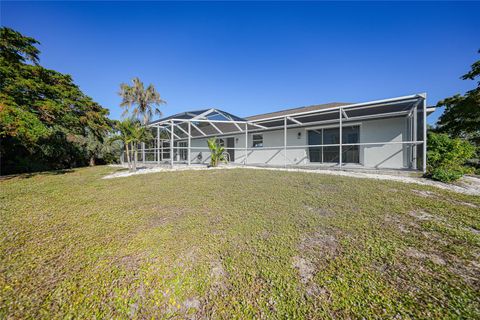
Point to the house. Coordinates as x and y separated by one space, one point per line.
381 134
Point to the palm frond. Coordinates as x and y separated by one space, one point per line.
146 100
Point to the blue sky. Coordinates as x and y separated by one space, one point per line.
249 58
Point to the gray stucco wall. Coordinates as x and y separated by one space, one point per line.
384 156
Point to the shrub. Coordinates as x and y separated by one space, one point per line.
216 152
447 157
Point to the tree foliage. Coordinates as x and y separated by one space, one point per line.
144 101
131 132
46 121
461 118
447 157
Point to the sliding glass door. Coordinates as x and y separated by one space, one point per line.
351 154
330 154
315 154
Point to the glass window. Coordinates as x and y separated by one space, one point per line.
183 150
350 154
331 136
315 138
257 140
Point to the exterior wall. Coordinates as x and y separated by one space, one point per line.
377 156
384 156
261 156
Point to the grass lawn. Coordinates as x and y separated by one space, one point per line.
235 244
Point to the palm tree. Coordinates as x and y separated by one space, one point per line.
131 132
125 129
145 101
139 134
217 154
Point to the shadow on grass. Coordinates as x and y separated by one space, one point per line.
33 174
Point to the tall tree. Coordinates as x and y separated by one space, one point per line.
44 116
16 48
462 112
144 101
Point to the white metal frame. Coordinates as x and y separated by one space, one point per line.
249 127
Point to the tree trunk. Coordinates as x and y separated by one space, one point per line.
91 163
134 157
128 157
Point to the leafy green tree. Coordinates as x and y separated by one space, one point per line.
461 118
144 101
15 47
44 116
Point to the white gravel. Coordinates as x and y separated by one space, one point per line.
467 185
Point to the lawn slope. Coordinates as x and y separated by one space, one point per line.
235 244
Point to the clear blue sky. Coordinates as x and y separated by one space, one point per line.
250 58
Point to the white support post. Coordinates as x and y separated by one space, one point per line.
189 143
424 133
340 138
415 135
158 144
285 139
246 143
143 152
171 143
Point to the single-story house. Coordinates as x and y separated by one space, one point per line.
381 134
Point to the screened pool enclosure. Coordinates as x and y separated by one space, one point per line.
380 134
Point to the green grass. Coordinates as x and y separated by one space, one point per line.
235 244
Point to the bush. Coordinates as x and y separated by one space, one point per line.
446 157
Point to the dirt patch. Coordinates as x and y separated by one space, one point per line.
320 211
163 216
320 244
430 194
219 276
396 223
421 215
305 269
265 235
468 271
467 204
425 193
414 253
130 262
473 230
191 304
192 254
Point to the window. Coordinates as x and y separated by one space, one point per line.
183 150
315 138
257 141
331 136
